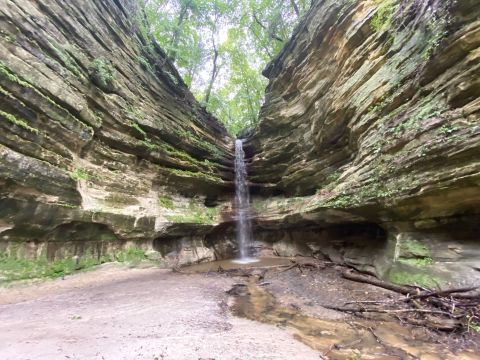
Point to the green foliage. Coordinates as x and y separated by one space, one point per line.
102 73
171 77
145 63
19 122
472 325
13 268
137 127
166 202
131 255
427 109
80 174
243 34
341 201
384 15
435 32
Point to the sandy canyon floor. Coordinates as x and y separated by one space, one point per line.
116 312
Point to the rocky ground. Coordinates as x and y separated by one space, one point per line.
148 313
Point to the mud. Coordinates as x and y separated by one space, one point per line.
343 340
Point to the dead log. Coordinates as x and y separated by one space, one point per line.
405 290
388 311
443 292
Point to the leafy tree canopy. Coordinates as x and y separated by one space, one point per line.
221 46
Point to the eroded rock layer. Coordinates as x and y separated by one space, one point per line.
372 116
101 143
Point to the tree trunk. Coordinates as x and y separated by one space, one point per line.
295 7
214 74
270 33
176 33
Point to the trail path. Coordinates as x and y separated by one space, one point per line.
120 313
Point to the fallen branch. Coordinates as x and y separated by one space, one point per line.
348 274
387 311
443 292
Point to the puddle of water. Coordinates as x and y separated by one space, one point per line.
245 260
235 264
340 340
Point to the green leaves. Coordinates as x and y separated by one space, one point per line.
221 47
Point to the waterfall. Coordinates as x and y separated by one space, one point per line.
242 205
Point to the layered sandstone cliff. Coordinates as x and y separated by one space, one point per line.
370 132
102 145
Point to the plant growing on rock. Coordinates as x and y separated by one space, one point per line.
384 15
19 122
145 63
102 74
83 174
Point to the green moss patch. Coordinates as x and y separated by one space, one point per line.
384 15
198 175
5 72
413 248
209 147
19 122
195 214
83 174
166 202
13 269
408 278
120 200
421 262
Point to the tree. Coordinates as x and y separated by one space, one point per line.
221 47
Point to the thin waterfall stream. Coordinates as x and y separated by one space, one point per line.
242 206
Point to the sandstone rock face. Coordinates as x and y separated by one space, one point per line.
102 145
372 116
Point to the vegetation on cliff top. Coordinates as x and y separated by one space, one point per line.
221 47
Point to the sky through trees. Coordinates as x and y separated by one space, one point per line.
221 47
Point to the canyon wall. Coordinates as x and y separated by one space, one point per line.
368 148
102 145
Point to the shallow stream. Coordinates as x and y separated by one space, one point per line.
345 338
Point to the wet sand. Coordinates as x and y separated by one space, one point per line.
275 312
120 313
